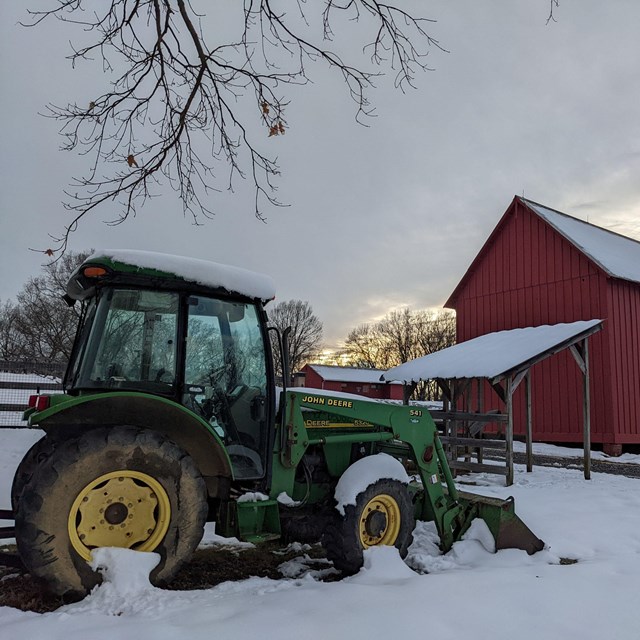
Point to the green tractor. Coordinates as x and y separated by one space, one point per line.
171 417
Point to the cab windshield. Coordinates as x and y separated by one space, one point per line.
131 342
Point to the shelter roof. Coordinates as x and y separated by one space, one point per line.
494 355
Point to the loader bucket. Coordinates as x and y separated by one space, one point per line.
508 530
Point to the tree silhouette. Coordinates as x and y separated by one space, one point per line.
178 80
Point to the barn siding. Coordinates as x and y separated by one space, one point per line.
528 275
624 344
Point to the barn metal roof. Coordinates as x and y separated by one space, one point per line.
618 256
494 355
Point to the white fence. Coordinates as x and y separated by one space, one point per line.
19 380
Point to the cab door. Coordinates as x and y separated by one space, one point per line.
226 379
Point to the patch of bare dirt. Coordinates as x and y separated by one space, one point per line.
207 568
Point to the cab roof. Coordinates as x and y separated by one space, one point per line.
234 280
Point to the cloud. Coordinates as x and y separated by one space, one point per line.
380 216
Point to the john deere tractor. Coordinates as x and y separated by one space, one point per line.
171 417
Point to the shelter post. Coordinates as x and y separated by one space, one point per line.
587 412
527 391
580 352
509 442
480 409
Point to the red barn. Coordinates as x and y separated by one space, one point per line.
540 266
364 382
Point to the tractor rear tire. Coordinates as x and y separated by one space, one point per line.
37 454
109 487
382 515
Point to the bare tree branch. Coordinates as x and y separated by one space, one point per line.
553 4
172 88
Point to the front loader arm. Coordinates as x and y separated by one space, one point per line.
412 426
412 430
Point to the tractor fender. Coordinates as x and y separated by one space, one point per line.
188 430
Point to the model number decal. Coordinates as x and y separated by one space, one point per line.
319 424
415 413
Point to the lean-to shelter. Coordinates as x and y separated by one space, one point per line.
503 359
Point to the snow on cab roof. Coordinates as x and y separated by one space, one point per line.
618 255
204 272
490 355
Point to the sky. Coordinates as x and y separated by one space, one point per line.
470 592
383 216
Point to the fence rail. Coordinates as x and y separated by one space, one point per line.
19 380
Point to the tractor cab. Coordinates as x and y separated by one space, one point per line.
202 346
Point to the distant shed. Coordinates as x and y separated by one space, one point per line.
364 382
540 266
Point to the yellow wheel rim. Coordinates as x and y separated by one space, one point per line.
379 522
123 508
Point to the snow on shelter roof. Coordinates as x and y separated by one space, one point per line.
332 373
493 354
204 272
618 255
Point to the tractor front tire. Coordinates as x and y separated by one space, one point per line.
116 487
382 515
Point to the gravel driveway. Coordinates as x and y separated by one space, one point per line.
597 466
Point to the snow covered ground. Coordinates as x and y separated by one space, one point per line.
469 592
33 378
